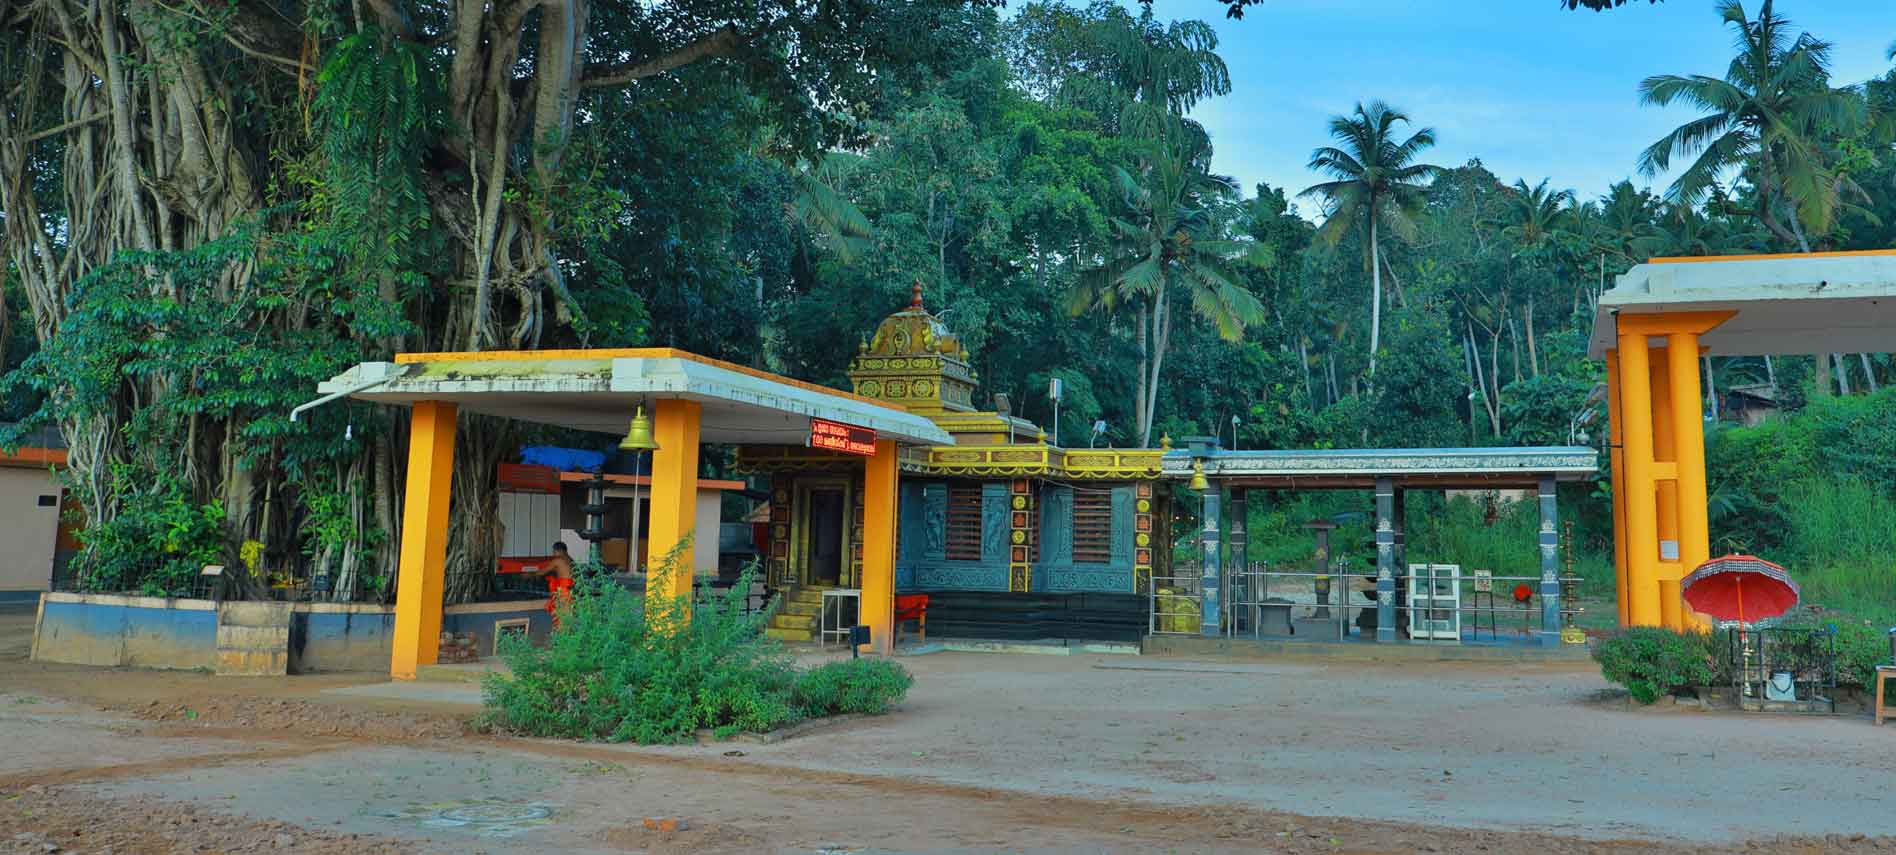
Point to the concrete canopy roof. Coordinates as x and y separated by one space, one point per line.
1839 302
597 390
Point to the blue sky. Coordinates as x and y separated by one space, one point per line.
1533 90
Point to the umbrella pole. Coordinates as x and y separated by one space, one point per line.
1744 643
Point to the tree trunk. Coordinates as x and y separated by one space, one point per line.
1711 389
1303 359
1533 356
1395 285
1514 348
1869 373
1139 392
1843 374
1162 320
1376 293
1820 378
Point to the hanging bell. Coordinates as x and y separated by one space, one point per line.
638 437
1199 482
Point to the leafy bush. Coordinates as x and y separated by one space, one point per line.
851 686
157 543
1650 661
1860 648
620 668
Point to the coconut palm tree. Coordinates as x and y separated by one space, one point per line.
1377 181
1768 116
1171 245
1534 217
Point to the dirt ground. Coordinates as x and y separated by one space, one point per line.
990 753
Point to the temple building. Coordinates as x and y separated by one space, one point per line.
1003 522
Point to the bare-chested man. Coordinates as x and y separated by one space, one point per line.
558 573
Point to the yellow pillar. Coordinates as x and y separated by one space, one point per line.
1641 495
878 547
674 504
1665 453
424 556
1688 437
1616 457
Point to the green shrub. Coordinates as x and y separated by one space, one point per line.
851 686
1650 661
623 669
1860 649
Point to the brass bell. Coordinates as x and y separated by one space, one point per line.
1199 482
638 437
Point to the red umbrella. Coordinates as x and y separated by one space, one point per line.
1742 588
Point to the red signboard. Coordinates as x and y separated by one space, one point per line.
836 436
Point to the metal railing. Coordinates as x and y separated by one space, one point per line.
1784 664
1260 601
1175 601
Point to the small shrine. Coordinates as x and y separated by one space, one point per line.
1002 511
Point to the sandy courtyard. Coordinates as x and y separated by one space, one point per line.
989 753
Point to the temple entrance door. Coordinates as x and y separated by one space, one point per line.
825 524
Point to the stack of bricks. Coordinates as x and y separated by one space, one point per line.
457 647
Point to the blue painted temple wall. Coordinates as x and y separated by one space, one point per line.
922 563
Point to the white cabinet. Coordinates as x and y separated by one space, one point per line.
530 523
1435 601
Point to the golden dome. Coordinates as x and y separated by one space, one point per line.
914 331
914 361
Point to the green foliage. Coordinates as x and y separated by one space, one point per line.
1651 661
1860 648
206 360
157 543
624 669
852 686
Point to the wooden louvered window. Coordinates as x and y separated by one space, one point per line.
964 522
1092 526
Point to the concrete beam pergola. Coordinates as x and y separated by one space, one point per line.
1387 471
694 400
1652 329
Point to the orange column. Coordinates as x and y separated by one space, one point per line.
1640 498
1665 458
420 578
674 505
1616 456
1688 425
878 547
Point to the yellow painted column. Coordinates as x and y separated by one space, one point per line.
1665 456
674 504
879 514
1641 495
421 575
1688 420
1616 457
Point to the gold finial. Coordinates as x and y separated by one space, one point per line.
862 345
915 294
1042 437
1199 483
1165 442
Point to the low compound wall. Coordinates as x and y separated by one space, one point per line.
139 632
155 632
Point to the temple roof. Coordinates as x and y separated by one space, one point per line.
914 361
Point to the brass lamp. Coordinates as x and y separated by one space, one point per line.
1199 483
638 436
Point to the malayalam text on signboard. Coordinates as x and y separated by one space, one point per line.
836 436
